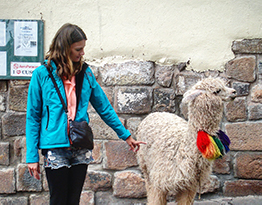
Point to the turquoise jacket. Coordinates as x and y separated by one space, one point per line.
46 120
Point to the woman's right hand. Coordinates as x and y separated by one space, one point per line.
34 169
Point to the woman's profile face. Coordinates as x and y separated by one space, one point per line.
77 50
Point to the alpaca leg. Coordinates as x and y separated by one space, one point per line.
156 196
146 177
186 197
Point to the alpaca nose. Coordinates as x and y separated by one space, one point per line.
233 94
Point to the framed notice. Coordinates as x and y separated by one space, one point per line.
21 48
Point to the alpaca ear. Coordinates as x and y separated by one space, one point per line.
191 95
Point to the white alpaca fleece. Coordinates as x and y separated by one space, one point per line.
171 161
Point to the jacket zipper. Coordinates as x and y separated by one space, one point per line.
47 108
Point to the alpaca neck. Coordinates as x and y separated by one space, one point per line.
207 121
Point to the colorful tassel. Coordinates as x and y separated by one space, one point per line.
219 145
212 147
203 141
224 139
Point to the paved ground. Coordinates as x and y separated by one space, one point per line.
247 200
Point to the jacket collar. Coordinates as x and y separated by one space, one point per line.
79 79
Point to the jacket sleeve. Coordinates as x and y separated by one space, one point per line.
33 118
103 107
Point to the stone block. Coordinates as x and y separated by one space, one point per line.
19 82
25 182
248 165
242 89
42 199
242 188
98 181
1 133
255 111
7 178
211 185
97 152
41 157
129 184
132 125
95 70
13 200
90 109
45 183
164 75
133 100
103 198
259 64
213 73
245 135
256 94
100 129
13 124
3 85
87 198
128 73
183 107
222 165
109 94
247 200
118 156
182 65
242 68
18 147
20 150
164 100
18 98
4 153
247 46
23 150
183 82
2 102
236 110
180 111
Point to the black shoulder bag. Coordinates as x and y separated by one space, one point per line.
80 133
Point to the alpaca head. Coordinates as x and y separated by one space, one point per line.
205 107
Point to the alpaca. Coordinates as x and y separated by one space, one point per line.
171 161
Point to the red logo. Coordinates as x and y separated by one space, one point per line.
15 66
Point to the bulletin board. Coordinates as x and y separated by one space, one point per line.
21 47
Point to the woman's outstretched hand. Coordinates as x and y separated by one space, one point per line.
134 145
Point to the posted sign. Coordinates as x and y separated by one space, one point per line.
21 48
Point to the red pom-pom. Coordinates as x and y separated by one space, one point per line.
203 141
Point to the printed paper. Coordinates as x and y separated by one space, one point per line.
3 63
25 38
2 34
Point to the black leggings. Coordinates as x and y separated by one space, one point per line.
65 184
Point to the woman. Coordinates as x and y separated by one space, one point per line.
47 122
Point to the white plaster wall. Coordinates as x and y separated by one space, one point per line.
164 31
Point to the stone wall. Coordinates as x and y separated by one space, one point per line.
136 89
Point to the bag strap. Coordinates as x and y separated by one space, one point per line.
56 87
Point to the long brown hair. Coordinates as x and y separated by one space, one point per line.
59 50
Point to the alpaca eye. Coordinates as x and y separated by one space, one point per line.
218 91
